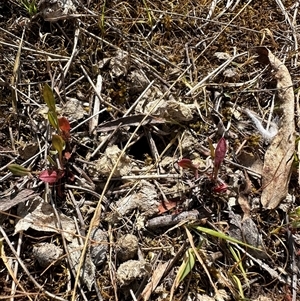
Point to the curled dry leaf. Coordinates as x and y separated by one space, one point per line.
132 270
73 109
40 216
127 247
47 253
279 155
145 200
54 10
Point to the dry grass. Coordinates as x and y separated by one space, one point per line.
169 79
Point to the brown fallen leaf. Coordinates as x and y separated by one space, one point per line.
243 202
279 155
22 196
155 279
165 206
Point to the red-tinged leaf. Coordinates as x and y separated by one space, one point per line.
67 155
50 176
64 124
166 206
18 170
220 153
188 164
221 187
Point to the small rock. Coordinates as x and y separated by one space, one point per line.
52 10
99 246
127 247
131 270
47 254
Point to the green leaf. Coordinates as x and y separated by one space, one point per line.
53 120
237 257
58 144
239 285
186 266
49 98
18 170
52 162
222 236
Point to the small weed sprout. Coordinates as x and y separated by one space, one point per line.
30 6
60 145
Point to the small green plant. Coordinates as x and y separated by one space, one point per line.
30 6
59 154
295 218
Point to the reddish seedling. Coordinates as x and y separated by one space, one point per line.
60 143
218 155
188 164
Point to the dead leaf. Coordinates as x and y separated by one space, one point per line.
22 196
243 202
166 206
28 151
279 155
155 278
39 215
251 160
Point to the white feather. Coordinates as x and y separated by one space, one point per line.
267 135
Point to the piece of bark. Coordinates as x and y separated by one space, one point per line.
279 155
172 220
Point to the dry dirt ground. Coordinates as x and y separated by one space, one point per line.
149 150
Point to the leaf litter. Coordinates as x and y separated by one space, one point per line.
157 132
